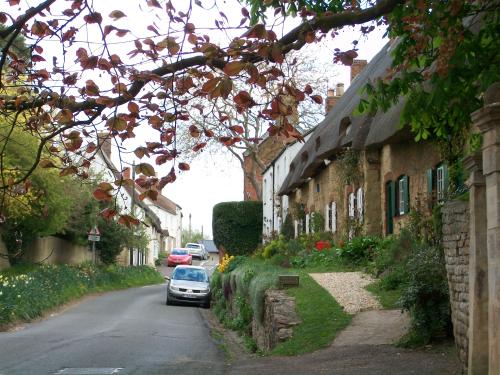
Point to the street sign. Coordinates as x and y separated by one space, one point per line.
94 237
95 231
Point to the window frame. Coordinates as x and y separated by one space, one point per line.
402 195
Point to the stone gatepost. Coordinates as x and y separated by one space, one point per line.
487 120
478 269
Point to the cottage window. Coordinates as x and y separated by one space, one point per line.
308 223
327 217
441 182
437 183
360 204
333 217
403 195
352 205
317 188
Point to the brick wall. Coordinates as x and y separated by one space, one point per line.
456 249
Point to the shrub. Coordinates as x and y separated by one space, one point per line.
359 250
288 229
237 226
426 296
317 222
274 247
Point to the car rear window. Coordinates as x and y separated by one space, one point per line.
179 252
190 274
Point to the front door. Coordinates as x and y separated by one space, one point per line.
390 206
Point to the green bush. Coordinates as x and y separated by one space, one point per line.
237 226
317 222
359 250
25 296
288 229
426 296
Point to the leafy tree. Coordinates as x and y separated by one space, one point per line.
191 236
240 132
38 207
115 238
445 55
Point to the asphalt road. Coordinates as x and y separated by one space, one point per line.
125 332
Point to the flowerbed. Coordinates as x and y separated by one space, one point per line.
28 295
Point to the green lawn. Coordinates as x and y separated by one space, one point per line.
321 318
389 299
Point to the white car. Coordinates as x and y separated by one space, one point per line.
197 250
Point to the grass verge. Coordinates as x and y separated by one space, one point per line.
389 299
321 319
27 293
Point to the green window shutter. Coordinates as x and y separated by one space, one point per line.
392 192
430 182
406 187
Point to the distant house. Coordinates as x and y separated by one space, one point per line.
275 207
363 173
267 150
209 246
163 218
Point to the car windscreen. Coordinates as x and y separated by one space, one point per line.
193 246
190 275
179 252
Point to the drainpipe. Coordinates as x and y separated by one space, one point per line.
272 197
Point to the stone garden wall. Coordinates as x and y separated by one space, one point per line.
278 321
456 248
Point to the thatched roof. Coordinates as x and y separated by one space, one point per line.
343 128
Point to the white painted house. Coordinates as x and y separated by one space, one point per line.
275 208
163 217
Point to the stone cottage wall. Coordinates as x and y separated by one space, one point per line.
456 249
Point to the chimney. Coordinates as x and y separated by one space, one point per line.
340 89
356 68
332 97
104 142
331 100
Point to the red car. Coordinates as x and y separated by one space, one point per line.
179 256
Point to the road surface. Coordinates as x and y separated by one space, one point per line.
125 332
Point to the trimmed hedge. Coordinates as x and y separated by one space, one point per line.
237 226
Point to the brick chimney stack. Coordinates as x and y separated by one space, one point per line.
333 96
104 140
356 68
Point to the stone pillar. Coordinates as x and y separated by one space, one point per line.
478 269
487 119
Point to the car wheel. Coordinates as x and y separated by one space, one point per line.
167 301
206 305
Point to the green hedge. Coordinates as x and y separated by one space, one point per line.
33 291
237 226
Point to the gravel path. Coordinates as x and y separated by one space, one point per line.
348 290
